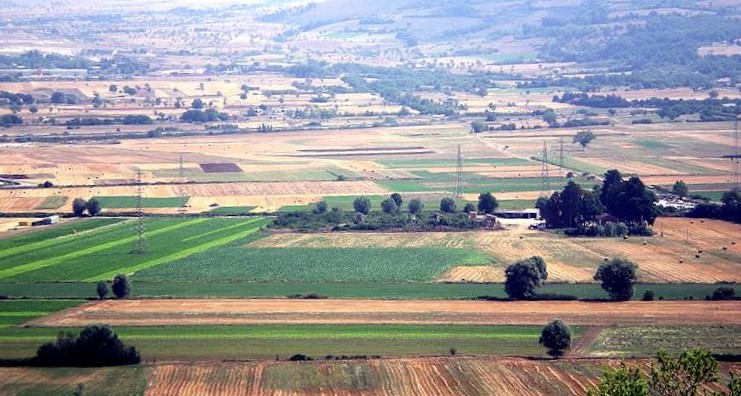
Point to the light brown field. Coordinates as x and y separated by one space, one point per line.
629 166
443 376
228 312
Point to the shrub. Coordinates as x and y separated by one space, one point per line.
447 205
648 295
121 286
415 206
723 293
300 358
388 205
362 205
95 346
102 289
321 207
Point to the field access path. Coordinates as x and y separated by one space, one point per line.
266 311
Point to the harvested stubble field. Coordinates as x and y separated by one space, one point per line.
199 312
459 376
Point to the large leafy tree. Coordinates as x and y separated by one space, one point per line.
524 276
121 286
362 205
487 203
556 337
78 206
618 277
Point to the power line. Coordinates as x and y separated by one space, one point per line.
736 158
459 173
560 159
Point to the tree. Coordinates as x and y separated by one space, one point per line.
113 88
197 103
524 276
621 381
618 277
448 205
487 203
556 337
686 375
415 206
362 205
102 289
478 126
389 206
636 204
469 208
680 189
612 185
78 206
584 138
321 207
398 200
121 287
93 207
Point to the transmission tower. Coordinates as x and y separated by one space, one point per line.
181 193
545 184
459 173
560 159
140 242
736 158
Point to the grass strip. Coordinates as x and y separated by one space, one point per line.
183 253
79 253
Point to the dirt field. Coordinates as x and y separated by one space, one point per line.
193 312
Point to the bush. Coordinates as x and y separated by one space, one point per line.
300 358
648 295
102 289
723 293
469 208
415 206
388 205
121 286
362 205
95 346
321 207
447 205
556 337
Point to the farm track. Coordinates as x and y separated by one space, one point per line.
226 312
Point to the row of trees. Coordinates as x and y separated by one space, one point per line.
618 277
729 208
120 286
629 201
487 204
80 206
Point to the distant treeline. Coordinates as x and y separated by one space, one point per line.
127 120
711 109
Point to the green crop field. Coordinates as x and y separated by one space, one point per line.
267 341
473 183
232 210
366 290
53 202
238 263
101 254
432 163
130 202
55 381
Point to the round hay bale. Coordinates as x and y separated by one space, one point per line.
645 243
681 261
725 247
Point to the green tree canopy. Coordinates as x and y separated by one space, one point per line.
618 277
524 276
556 338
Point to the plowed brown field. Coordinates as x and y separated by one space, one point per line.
423 376
193 312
